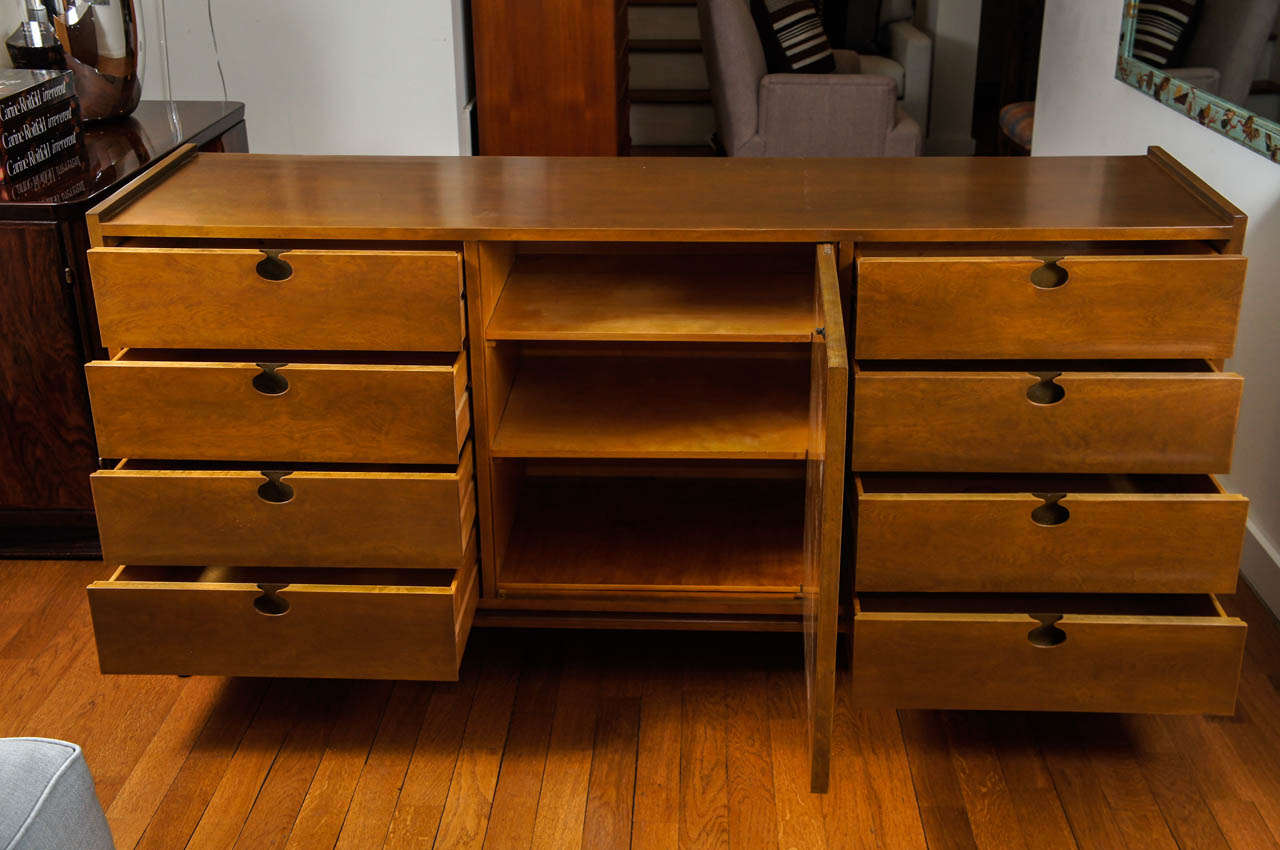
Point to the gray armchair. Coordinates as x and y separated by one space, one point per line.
1223 54
848 113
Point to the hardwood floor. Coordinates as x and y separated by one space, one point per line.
573 739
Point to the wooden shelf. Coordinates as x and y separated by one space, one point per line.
674 535
657 407
722 298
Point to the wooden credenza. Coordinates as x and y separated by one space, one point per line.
354 405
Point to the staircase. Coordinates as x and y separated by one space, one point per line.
670 104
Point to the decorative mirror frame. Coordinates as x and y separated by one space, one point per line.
1228 119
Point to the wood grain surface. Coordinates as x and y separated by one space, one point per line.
381 300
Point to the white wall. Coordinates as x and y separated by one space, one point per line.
954 27
322 77
1082 109
328 76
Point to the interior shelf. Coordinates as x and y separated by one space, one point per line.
657 407
656 534
689 297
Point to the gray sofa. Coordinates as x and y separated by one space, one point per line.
47 799
854 112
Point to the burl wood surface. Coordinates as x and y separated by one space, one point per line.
40 382
1150 306
370 300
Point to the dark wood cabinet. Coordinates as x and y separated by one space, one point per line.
48 329
551 77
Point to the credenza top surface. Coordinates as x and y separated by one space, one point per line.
672 199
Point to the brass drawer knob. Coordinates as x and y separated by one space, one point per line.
1051 512
275 490
1050 275
271 603
1044 391
269 381
273 267
1047 634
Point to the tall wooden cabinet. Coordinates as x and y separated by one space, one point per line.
355 405
551 77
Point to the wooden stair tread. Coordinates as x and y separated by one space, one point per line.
670 96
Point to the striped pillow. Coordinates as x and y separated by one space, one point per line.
1162 31
793 37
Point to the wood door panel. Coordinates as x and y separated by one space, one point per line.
824 511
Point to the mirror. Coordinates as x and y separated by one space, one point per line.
1216 61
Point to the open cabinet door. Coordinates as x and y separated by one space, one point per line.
824 505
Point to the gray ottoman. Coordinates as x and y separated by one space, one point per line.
47 801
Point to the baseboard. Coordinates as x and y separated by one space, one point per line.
1260 567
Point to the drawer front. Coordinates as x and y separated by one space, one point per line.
1050 543
303 519
302 299
1090 307
1160 665
1103 422
325 414
214 628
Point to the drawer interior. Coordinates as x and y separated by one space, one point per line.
1122 604
357 577
895 482
247 355
1035 249
1179 366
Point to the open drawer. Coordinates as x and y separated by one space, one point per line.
1133 654
228 514
313 406
1158 416
1047 533
259 621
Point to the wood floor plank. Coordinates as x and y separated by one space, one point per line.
475 775
988 803
280 799
184 803
1041 819
704 766
1242 825
753 819
524 759
656 815
849 806
426 783
232 800
378 790
1125 784
562 799
1086 807
879 737
933 775
799 812
144 789
329 796
611 788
